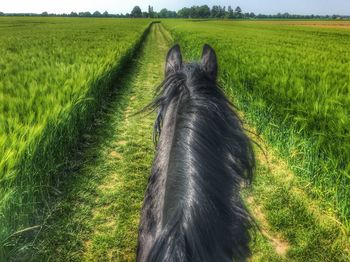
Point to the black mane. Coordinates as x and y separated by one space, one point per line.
192 209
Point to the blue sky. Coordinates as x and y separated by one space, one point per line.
322 7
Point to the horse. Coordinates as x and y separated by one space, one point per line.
192 208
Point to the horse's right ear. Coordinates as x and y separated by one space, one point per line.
173 60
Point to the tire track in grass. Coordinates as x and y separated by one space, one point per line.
120 194
98 220
293 226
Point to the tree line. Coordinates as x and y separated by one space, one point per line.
203 11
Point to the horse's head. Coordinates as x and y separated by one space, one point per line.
191 80
195 74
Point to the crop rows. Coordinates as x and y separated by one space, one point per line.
293 83
54 75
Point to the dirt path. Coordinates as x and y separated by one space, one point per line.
98 217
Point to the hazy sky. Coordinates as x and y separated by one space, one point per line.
323 7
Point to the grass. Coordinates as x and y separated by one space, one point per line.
98 199
293 225
293 84
97 220
98 215
55 73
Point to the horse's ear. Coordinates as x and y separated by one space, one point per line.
173 60
209 62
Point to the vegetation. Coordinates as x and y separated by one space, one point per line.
98 214
204 11
292 82
75 158
55 73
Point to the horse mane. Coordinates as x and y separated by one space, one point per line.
203 218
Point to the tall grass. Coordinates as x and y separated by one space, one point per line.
293 82
55 73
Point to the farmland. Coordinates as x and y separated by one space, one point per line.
75 147
293 84
54 74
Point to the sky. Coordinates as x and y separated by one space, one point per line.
320 7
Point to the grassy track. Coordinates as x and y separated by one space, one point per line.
54 76
293 83
97 218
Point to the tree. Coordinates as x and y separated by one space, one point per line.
84 14
251 15
238 11
96 14
215 11
194 12
203 11
136 12
150 11
230 13
44 14
74 14
184 12
105 13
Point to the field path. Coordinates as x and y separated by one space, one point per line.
98 220
98 215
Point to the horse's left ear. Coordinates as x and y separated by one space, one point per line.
209 62
173 61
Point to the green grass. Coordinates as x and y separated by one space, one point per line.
98 196
294 226
55 73
97 220
293 84
98 215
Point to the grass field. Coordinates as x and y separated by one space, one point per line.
272 70
54 75
292 80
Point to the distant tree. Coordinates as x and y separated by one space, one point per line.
85 14
163 13
136 12
150 11
1 14
230 13
222 10
194 12
215 11
105 14
238 11
44 14
203 11
184 12
96 14
74 14
251 15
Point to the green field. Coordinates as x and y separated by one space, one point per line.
292 80
76 158
54 75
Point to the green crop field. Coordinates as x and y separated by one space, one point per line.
292 80
54 73
76 156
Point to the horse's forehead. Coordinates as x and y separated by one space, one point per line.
191 68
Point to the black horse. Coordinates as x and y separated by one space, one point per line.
192 209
